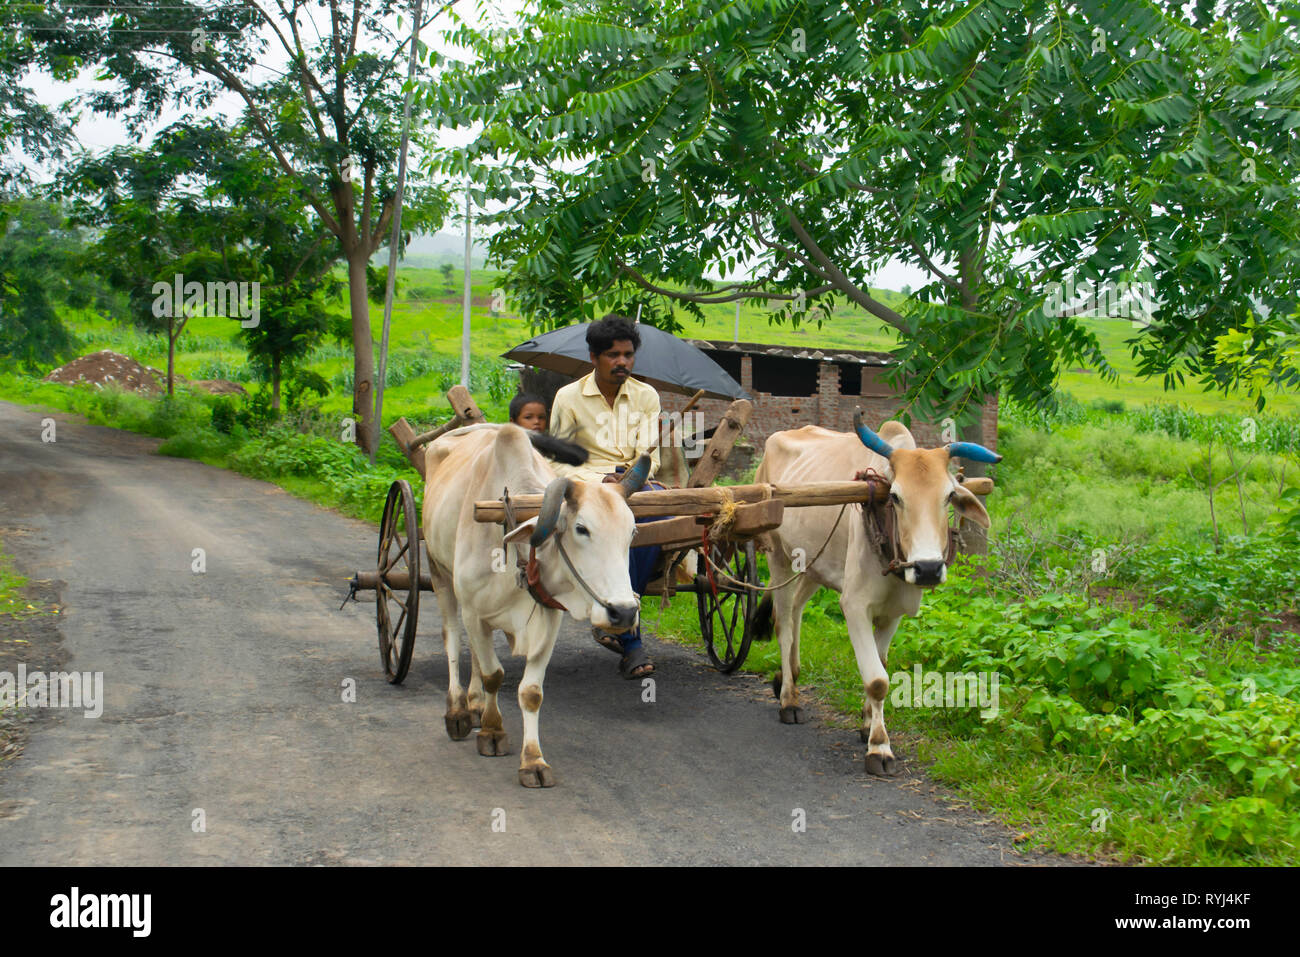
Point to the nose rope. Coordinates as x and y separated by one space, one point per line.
881 523
530 573
559 542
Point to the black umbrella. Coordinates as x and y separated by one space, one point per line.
663 360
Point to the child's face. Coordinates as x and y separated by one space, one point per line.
532 416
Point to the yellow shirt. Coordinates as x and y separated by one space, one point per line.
614 436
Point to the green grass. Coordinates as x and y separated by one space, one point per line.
1159 800
1201 620
13 602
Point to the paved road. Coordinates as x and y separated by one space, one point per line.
223 692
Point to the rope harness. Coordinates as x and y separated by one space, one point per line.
880 520
529 573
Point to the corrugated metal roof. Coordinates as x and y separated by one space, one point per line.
858 356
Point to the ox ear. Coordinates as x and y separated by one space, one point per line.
521 531
968 506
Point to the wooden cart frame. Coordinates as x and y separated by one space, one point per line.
718 525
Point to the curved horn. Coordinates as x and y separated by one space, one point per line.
635 477
555 494
972 451
869 438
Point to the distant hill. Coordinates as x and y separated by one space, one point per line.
433 250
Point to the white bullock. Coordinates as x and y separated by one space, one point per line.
580 542
855 557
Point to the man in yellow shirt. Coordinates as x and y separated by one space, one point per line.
612 415
616 419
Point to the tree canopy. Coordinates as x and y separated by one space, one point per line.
321 86
1017 152
43 264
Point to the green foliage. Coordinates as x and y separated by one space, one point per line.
340 467
488 376
41 267
993 145
1077 680
1261 356
1245 586
1278 434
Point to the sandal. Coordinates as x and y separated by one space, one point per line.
635 660
606 640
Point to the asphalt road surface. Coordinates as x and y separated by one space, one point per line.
224 705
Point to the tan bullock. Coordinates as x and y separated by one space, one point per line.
580 542
852 558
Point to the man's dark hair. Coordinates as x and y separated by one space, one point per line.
522 399
613 328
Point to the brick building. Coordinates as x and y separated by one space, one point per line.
791 387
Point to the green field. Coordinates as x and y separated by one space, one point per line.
427 324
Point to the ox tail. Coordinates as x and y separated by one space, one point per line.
558 449
763 626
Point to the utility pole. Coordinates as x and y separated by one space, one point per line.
464 325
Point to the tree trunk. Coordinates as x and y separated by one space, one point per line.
275 385
171 360
363 352
975 537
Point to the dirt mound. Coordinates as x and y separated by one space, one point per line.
219 387
111 368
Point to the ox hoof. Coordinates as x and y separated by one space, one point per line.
537 775
493 744
458 725
882 765
476 716
792 715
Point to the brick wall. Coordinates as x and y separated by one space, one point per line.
828 408
776 413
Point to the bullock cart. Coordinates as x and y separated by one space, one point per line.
708 536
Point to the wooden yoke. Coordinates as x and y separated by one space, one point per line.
466 412
715 453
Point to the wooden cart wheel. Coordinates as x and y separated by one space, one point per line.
397 596
726 609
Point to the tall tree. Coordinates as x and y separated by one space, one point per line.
42 266
201 204
155 226
321 87
29 129
1008 148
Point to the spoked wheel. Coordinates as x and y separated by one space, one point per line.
727 609
397 596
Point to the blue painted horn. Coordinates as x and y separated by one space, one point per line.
869 438
556 493
635 477
972 451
